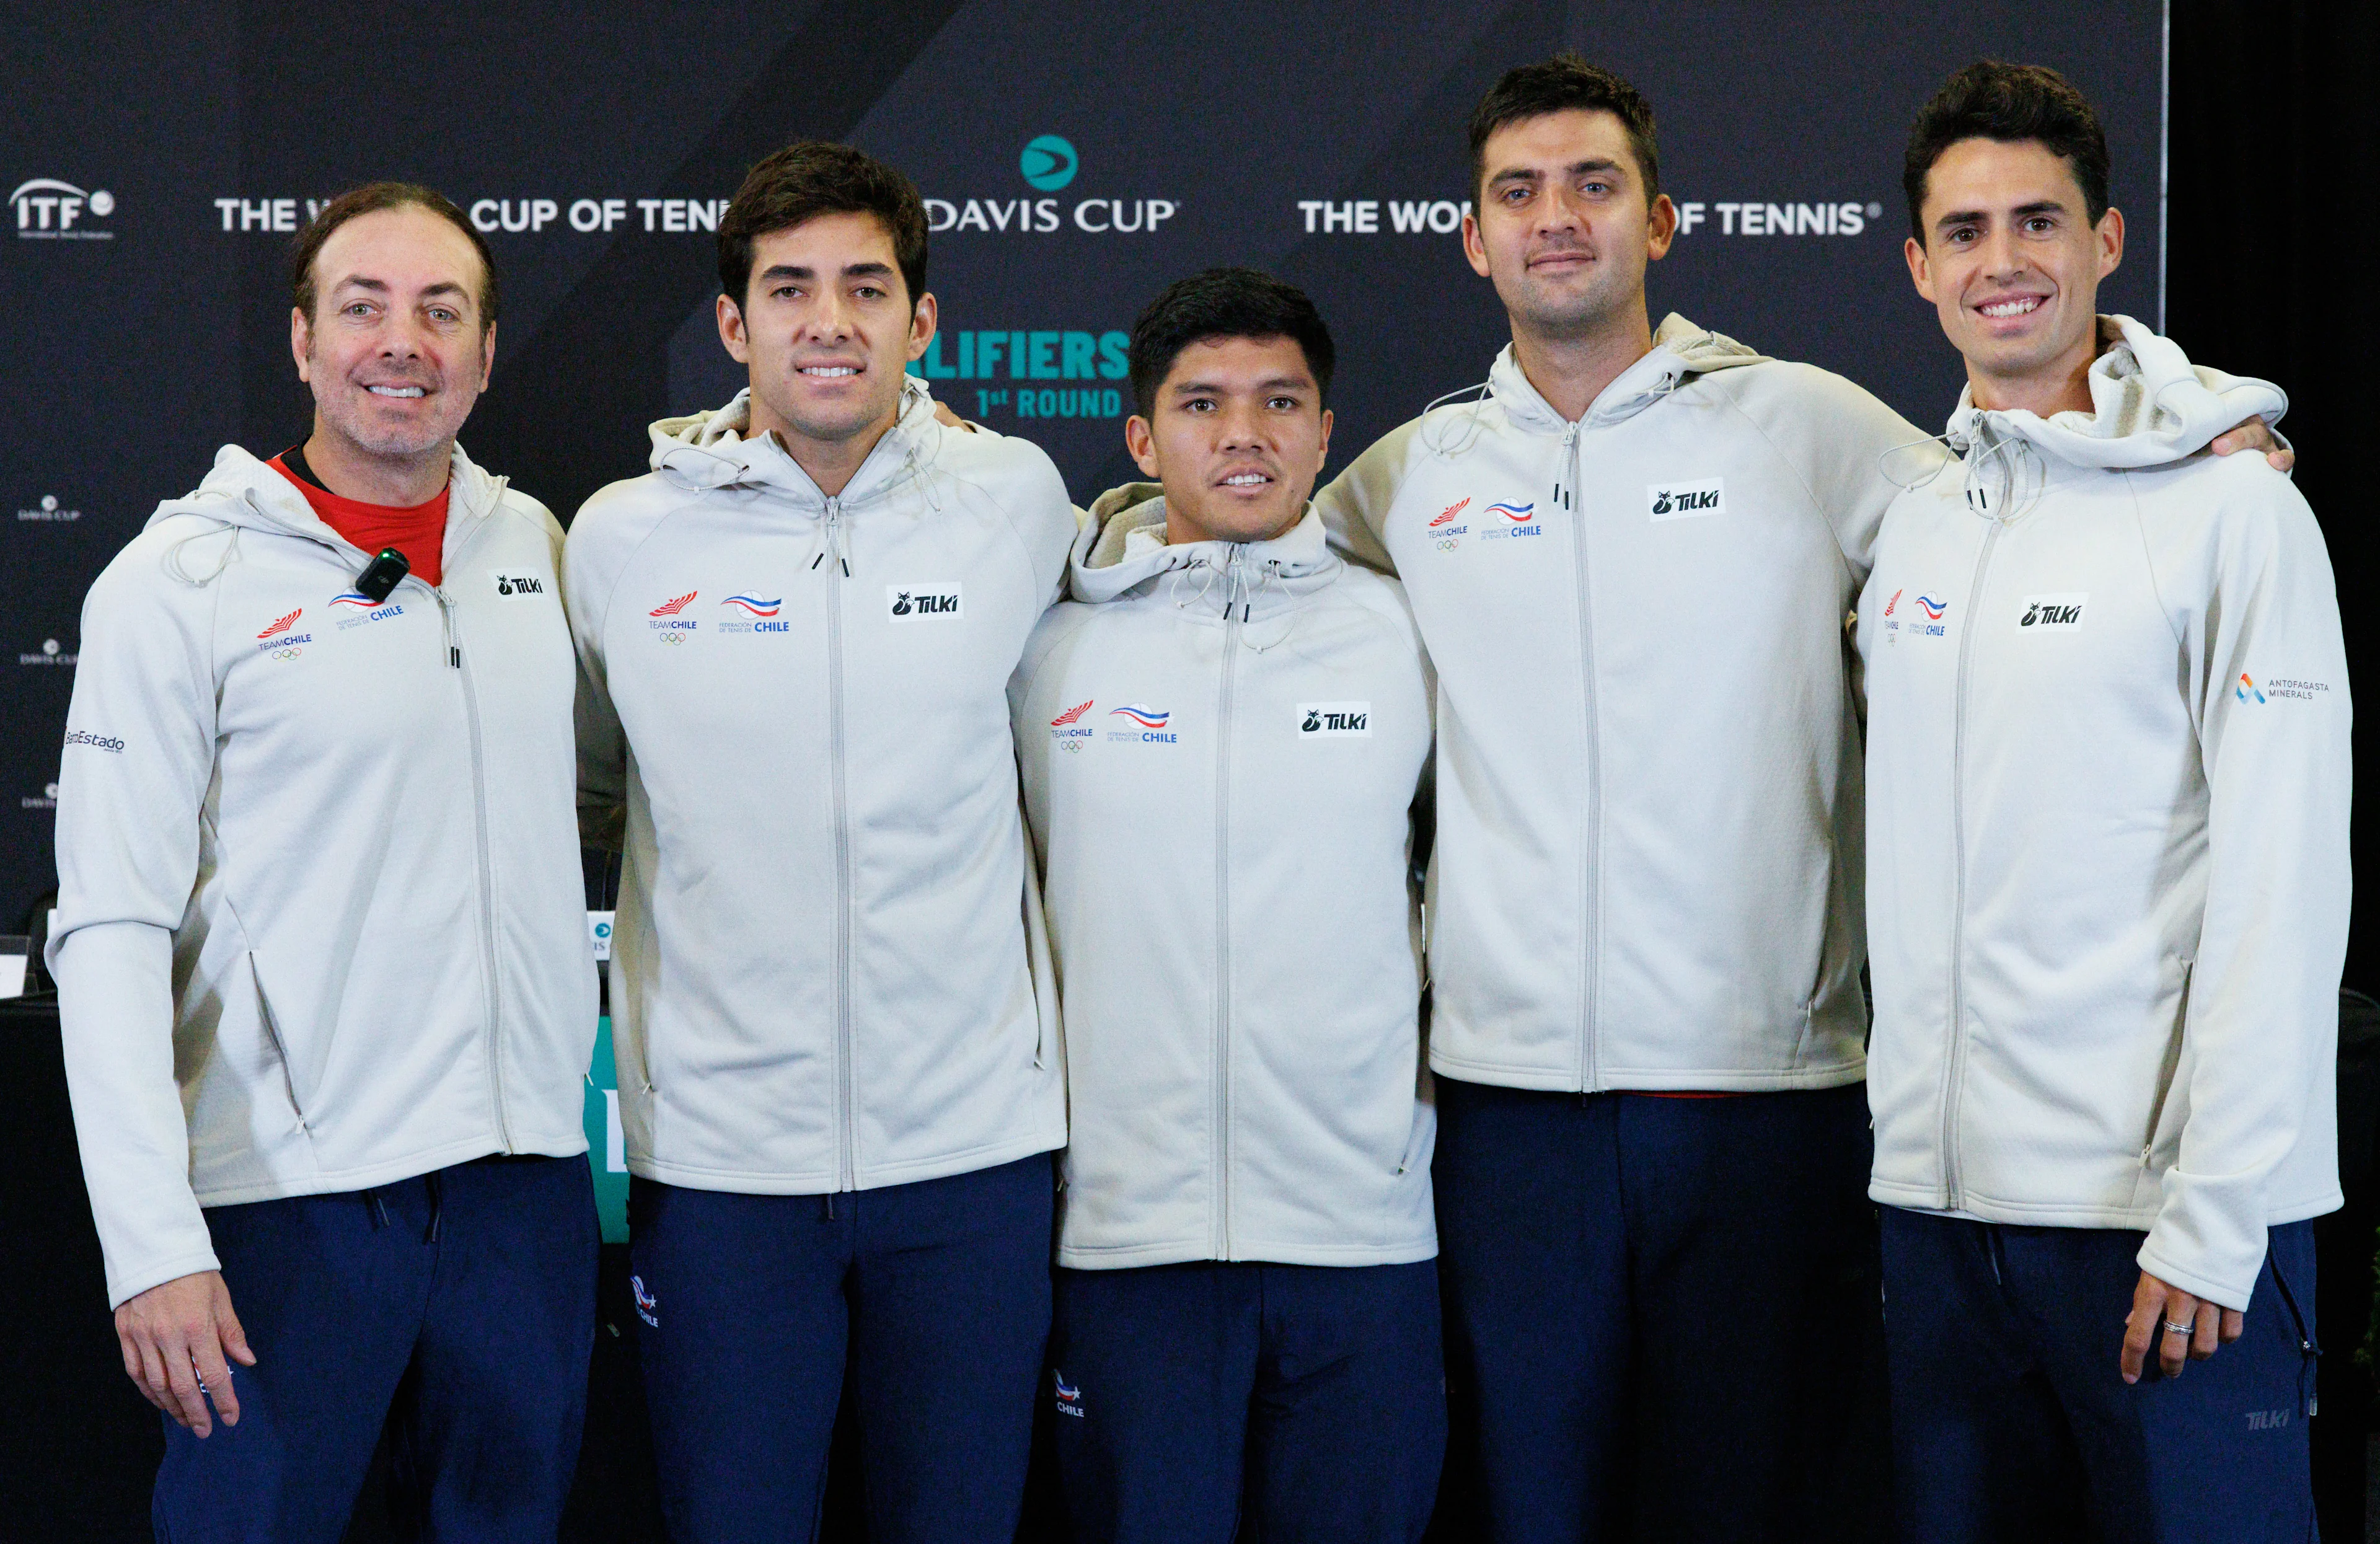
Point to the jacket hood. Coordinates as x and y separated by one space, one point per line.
1122 548
1681 350
2149 405
242 490
716 450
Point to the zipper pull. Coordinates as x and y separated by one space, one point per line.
1570 447
455 656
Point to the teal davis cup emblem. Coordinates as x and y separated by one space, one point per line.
1049 162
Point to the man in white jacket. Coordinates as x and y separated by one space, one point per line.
1632 558
1224 732
2109 890
321 951
837 1043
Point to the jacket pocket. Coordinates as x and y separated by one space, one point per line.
272 1027
2167 1067
2309 1349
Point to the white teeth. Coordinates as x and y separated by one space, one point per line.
393 391
829 369
2014 308
1246 480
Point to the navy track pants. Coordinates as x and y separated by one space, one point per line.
938 1291
1658 1311
1309 1398
2011 1420
456 1308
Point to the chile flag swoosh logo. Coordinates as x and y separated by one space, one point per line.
754 604
1519 513
354 598
1148 718
1932 607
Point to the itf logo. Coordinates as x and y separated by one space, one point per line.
1049 164
48 210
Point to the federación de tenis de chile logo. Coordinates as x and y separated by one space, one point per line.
1510 519
1928 625
1142 723
753 613
668 623
360 609
1067 731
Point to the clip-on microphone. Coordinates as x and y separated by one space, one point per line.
381 575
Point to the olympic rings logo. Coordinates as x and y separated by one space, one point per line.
673 637
1447 543
286 653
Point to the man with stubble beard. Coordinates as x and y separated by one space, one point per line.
321 951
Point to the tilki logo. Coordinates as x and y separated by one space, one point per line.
919 602
48 210
1681 501
1334 720
2054 611
518 584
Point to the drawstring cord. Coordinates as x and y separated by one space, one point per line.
376 1201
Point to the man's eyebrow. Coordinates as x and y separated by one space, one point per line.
1277 383
871 269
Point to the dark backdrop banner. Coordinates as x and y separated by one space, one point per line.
1075 158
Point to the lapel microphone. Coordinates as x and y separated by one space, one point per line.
381 575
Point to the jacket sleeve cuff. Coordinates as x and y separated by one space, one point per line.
2228 1286
124 1285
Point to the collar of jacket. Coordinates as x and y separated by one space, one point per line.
711 450
1274 576
242 490
1681 350
2149 406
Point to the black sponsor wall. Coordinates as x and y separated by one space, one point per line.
1077 157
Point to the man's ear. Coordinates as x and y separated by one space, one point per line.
2110 232
301 342
731 330
1140 439
1474 246
1661 228
924 317
487 356
1921 273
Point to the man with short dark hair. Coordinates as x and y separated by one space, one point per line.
1632 558
2108 796
838 1064
321 949
1224 736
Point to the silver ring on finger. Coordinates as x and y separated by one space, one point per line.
2173 1329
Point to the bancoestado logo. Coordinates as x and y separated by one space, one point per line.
1049 164
1444 217
48 210
84 737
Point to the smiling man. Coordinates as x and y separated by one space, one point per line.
1225 731
2109 888
1632 558
322 950
839 1065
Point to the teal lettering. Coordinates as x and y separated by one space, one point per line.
934 369
1045 356
1080 349
1114 365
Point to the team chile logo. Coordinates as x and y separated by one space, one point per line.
1067 731
670 626
1444 531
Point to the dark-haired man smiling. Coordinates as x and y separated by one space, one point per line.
1247 1318
839 1067
2109 889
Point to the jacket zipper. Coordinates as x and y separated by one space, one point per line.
1590 858
1955 1062
846 1176
493 999
1233 578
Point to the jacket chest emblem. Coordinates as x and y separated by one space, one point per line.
1683 501
1136 723
924 602
1918 616
753 611
1334 720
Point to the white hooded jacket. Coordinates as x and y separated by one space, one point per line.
2108 795
821 978
320 924
1222 745
1647 873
